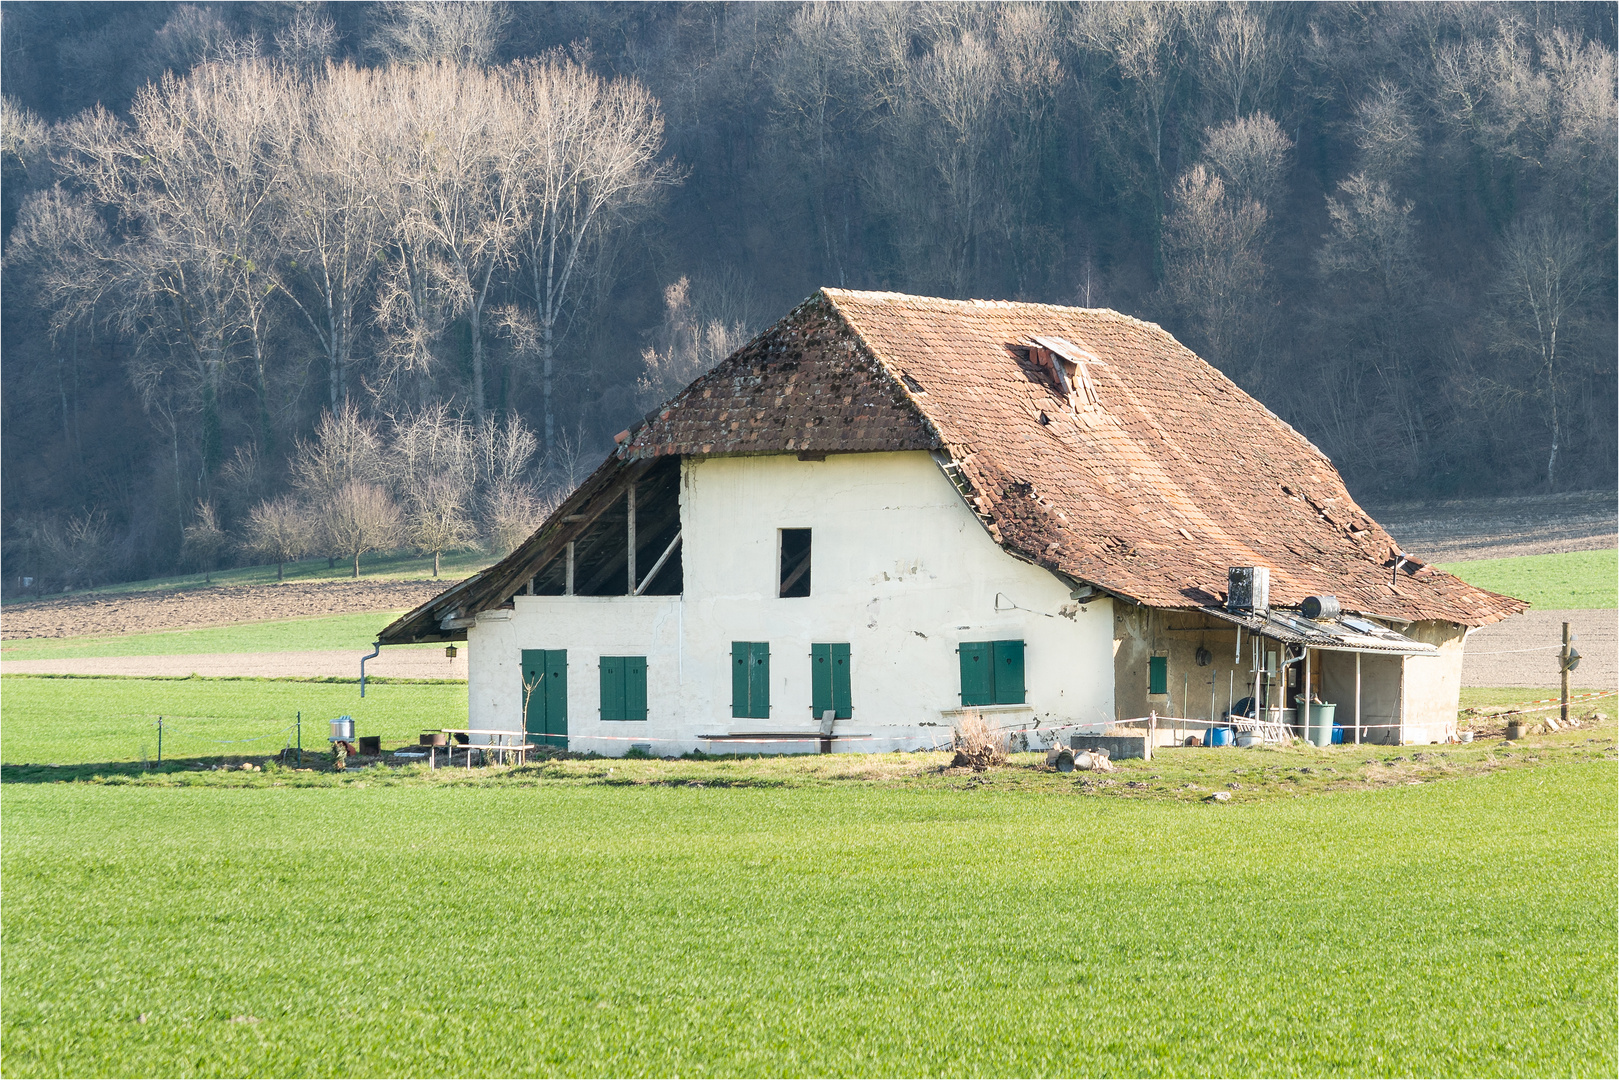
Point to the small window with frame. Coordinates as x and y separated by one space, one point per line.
794 563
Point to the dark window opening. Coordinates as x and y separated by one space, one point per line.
795 562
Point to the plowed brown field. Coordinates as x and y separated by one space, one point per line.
132 613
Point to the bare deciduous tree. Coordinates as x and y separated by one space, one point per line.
359 517
333 227
433 467
205 540
307 41
586 151
1214 275
1544 276
1385 132
279 530
429 30
698 331
1250 156
1243 60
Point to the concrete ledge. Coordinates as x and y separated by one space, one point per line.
1117 746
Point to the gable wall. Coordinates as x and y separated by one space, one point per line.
901 570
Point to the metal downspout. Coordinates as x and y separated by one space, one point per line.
376 648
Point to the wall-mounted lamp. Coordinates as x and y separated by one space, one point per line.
449 650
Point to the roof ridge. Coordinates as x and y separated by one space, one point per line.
834 294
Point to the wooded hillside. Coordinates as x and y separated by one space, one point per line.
329 277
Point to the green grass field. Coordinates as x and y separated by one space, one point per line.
71 721
1458 928
1580 579
352 631
392 565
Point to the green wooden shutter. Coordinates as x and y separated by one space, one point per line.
821 680
977 673
612 680
842 699
1008 672
1158 675
740 652
556 697
635 688
534 693
759 681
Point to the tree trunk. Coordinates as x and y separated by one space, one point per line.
356 566
435 564
279 568
547 355
474 325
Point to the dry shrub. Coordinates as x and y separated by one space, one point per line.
977 745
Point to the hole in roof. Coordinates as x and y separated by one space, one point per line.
911 384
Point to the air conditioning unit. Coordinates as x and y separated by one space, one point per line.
1248 588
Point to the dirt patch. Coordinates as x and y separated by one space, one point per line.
1460 530
131 613
1522 650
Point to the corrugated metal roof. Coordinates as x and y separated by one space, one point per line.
1344 634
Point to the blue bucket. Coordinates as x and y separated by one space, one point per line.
1337 734
1219 736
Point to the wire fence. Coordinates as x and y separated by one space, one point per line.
178 736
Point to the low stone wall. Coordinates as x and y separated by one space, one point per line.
1116 746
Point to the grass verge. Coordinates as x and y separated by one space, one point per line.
316 633
598 930
1577 579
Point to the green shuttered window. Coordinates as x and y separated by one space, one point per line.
829 680
1158 675
992 673
750 679
623 684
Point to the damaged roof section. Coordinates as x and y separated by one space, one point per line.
1172 477
806 385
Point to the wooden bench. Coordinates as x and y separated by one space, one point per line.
822 737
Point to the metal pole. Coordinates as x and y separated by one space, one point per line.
300 738
1304 698
160 733
1564 666
1357 699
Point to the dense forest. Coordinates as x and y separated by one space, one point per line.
285 279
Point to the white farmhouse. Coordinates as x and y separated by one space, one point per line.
886 510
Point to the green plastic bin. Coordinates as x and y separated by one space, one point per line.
1320 729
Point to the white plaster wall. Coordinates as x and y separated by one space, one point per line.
1433 684
901 570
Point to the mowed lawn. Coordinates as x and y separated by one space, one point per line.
1579 579
71 721
1455 928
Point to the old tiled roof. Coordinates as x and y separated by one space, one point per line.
1172 476
1150 492
806 385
